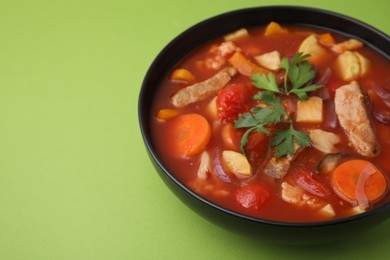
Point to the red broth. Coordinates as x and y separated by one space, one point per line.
227 189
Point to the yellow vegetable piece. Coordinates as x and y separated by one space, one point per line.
167 113
237 164
244 65
310 111
274 28
182 75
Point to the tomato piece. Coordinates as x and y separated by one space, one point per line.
233 100
309 184
253 196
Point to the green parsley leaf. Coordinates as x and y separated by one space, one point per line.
283 141
297 74
266 82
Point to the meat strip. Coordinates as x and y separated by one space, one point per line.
202 90
353 117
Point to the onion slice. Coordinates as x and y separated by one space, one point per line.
360 192
218 168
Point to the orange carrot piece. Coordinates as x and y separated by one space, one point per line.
182 75
190 135
229 137
244 65
274 28
346 176
326 38
167 113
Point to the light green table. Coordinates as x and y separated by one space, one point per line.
75 180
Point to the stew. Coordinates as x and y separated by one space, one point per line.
280 122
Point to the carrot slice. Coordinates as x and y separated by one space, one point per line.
182 75
190 135
326 38
357 179
244 65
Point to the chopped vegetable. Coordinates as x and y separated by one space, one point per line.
182 75
236 35
309 184
253 196
259 117
204 166
233 100
269 60
351 65
328 211
291 194
310 111
237 164
330 162
212 108
359 182
167 113
311 46
230 137
274 28
244 65
326 38
324 141
190 135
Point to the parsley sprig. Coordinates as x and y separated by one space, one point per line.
298 73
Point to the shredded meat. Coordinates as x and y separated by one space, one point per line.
352 115
202 90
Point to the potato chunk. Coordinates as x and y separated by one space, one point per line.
311 46
237 164
351 65
310 111
269 60
328 211
236 35
324 141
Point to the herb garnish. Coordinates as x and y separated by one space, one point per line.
298 72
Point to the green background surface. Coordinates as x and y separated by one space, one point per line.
75 179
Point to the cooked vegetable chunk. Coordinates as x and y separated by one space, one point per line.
167 113
202 90
204 166
311 46
351 65
236 35
352 115
274 28
244 65
328 211
310 111
182 75
324 141
269 60
237 164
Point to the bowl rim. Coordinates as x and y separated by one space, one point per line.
143 122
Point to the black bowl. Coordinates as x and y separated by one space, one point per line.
261 229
